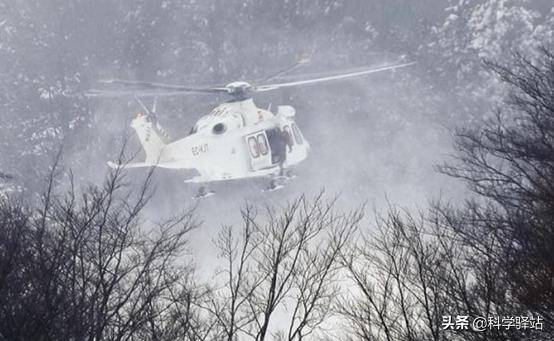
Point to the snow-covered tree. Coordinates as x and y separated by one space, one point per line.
478 30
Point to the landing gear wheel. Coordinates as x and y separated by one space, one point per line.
203 192
273 184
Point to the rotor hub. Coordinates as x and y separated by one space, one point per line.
240 89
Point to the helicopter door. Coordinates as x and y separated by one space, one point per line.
260 155
273 137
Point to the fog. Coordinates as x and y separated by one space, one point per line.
375 139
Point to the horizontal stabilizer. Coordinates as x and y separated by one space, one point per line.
130 165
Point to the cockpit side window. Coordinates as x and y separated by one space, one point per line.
297 134
288 135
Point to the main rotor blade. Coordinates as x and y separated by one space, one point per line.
268 87
131 93
291 68
163 86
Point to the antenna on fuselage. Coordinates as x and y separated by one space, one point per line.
142 105
151 113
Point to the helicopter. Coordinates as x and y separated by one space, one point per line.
236 140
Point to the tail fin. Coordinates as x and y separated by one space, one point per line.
151 136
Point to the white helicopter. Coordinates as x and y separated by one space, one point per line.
236 140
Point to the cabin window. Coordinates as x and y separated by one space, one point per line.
297 135
262 144
253 144
219 128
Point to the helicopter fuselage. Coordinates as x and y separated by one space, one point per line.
237 139
234 141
